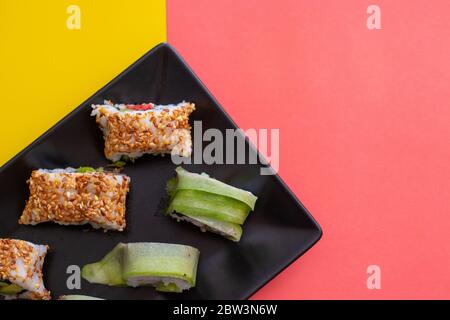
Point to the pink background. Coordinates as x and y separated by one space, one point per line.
364 121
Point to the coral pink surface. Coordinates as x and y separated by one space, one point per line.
364 121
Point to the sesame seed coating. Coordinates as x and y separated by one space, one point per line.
21 264
71 198
165 129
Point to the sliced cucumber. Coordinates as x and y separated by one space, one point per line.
202 182
208 203
167 267
108 270
78 297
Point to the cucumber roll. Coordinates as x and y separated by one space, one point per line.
78 297
132 130
167 267
209 204
76 197
21 265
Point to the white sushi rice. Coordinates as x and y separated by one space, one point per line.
203 227
70 196
27 260
152 281
121 108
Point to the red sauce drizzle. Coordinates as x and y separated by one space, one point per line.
140 107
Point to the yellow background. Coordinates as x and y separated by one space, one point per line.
47 70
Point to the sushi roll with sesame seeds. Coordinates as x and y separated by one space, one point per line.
21 265
132 130
76 197
165 266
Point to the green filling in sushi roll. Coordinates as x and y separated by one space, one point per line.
167 267
85 169
7 288
208 203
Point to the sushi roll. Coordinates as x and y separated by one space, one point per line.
21 270
165 266
131 130
209 203
76 197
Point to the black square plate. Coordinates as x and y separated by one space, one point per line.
275 234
